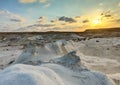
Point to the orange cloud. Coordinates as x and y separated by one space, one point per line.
27 1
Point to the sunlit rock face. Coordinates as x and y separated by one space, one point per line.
46 52
115 78
26 55
71 61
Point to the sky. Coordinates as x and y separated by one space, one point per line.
58 15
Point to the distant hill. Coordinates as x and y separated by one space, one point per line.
91 33
87 31
104 29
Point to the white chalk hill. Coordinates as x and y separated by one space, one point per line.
65 70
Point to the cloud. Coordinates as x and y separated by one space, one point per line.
33 1
43 1
77 16
11 16
42 20
101 4
119 4
118 20
64 23
15 20
75 23
37 27
10 21
47 5
107 14
27 1
58 24
41 25
67 19
85 21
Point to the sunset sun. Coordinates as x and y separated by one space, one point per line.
96 22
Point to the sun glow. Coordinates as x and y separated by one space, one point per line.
96 22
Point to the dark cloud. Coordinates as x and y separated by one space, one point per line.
11 16
107 14
41 17
67 19
118 20
63 24
44 25
77 16
41 25
52 21
15 20
85 21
